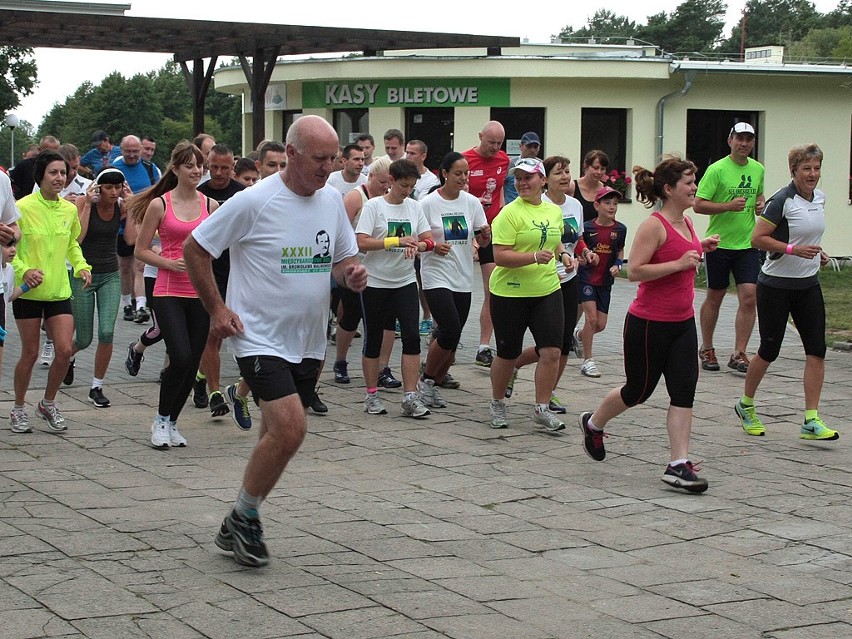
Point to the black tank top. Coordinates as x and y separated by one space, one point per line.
99 244
589 212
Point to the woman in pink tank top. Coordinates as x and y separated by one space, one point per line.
172 208
659 332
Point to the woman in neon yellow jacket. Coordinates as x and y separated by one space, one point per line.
49 229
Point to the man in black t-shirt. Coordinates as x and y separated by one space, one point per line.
220 187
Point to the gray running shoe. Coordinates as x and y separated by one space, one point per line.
547 419
55 420
374 405
497 408
414 407
429 394
19 421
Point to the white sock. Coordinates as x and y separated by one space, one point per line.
540 408
678 462
141 302
97 383
483 347
592 426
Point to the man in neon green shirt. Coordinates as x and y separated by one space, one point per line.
731 192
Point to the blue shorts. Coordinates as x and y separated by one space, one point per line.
743 264
600 295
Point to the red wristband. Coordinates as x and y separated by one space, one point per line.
790 248
430 244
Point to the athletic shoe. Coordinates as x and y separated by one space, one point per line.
556 406
134 360
50 414
160 435
341 374
199 392
218 405
708 359
47 353
750 421
590 369
497 409
739 362
129 313
374 406
430 395
425 327
317 405
387 380
176 440
448 382
510 387
577 344
414 408
816 429
19 420
143 315
547 419
96 396
683 476
69 374
244 537
241 414
484 358
592 439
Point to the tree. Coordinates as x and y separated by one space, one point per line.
18 76
774 22
823 43
695 25
24 136
603 25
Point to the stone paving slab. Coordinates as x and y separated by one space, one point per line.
442 527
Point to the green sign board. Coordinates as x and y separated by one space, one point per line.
360 94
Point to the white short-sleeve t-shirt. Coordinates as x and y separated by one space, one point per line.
453 222
9 212
336 180
388 268
572 217
282 249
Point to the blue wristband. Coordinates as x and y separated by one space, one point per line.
619 262
24 287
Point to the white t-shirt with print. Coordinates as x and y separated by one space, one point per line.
282 249
388 268
453 222
424 184
572 217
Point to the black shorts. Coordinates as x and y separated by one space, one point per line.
37 309
271 378
123 248
512 316
600 295
743 264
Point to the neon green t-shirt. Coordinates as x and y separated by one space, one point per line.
724 181
527 228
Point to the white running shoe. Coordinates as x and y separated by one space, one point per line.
47 353
590 369
160 433
176 440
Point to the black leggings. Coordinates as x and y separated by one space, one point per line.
381 303
449 310
654 348
153 334
570 291
511 316
185 325
805 306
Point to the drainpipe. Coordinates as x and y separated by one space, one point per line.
661 107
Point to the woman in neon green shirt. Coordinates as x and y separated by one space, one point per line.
525 292
49 230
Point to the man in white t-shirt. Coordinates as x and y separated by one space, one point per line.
277 305
350 176
417 151
368 145
9 234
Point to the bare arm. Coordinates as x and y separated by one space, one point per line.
707 207
508 257
145 235
761 238
351 274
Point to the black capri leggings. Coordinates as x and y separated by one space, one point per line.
153 334
511 316
654 348
379 304
570 290
185 325
806 307
449 310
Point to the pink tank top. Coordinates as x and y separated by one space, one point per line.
669 298
172 233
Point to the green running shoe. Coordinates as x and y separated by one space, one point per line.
750 421
816 429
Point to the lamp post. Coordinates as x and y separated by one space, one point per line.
12 122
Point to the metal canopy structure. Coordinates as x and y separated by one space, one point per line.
257 46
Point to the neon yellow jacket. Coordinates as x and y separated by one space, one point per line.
49 232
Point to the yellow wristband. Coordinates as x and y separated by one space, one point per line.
391 242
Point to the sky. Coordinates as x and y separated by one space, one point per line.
62 71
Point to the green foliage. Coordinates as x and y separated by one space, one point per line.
696 25
24 136
824 43
18 76
602 26
156 104
774 22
